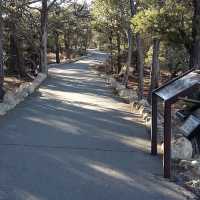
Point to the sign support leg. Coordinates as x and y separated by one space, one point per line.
154 126
167 140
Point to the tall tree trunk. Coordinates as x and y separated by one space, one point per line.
140 63
76 40
118 52
1 47
13 48
195 51
130 43
155 69
111 49
1 54
130 47
16 57
67 44
43 44
130 53
87 40
57 47
140 56
20 60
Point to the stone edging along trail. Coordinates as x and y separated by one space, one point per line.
12 98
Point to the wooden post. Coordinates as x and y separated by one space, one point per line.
2 92
154 125
167 140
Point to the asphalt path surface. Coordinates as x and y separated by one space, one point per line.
73 140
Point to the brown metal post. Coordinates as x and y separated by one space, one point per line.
167 140
154 125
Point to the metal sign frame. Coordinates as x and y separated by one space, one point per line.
167 118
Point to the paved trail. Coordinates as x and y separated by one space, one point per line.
72 140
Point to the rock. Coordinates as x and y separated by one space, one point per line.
185 164
137 106
113 83
132 106
141 109
131 99
131 69
181 148
196 167
144 102
148 122
124 93
3 108
31 89
22 91
147 110
9 98
133 93
132 96
146 115
39 79
119 87
191 165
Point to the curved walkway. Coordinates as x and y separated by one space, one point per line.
72 140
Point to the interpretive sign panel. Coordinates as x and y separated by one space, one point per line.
190 125
178 86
